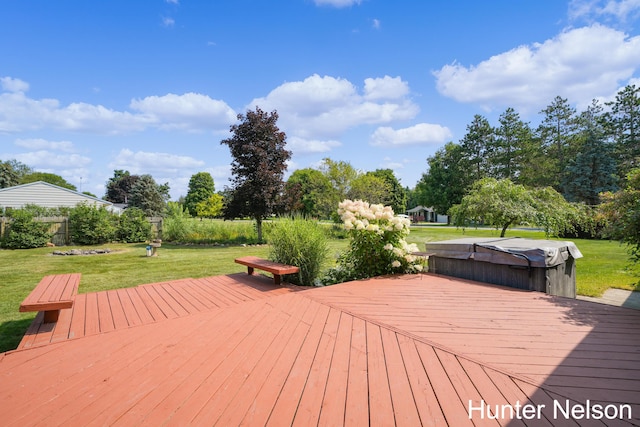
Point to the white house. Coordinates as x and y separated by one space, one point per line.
422 214
47 195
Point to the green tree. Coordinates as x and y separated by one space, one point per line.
340 174
397 198
147 195
591 172
201 188
475 145
446 181
51 178
259 161
211 207
119 186
624 125
370 188
557 133
510 150
502 204
622 210
309 192
8 176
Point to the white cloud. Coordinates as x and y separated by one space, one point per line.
321 108
375 23
385 88
579 64
168 22
43 144
622 10
10 84
301 145
190 111
49 161
422 133
142 162
389 163
19 113
337 3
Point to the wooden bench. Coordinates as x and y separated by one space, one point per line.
274 268
53 293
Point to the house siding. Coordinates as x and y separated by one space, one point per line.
45 195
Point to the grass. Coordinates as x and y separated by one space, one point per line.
603 266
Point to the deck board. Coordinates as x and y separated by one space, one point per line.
236 350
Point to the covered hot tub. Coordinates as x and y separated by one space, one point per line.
538 265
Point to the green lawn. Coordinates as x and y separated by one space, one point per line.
603 266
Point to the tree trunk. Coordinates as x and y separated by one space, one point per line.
504 229
259 228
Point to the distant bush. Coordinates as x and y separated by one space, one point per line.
91 225
133 226
299 242
179 227
176 224
24 232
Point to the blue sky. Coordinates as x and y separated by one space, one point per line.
87 87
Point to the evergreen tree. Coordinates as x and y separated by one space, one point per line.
511 148
259 161
147 195
475 145
557 135
624 125
592 172
201 188
119 186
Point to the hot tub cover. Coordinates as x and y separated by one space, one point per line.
509 251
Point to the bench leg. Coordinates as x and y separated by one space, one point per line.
277 279
250 271
51 316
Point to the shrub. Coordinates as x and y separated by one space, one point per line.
176 226
133 226
91 225
300 242
377 244
25 233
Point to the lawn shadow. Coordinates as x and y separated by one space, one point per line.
12 332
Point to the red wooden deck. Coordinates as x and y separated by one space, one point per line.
404 350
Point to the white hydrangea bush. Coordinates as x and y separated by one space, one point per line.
378 244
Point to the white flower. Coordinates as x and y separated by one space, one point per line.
395 264
373 227
388 247
417 267
348 225
359 225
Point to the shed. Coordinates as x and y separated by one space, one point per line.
538 265
47 195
